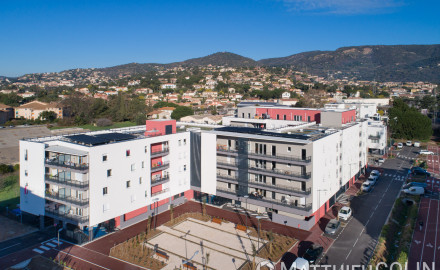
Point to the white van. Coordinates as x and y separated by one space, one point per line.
414 190
416 144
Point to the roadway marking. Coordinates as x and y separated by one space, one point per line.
38 251
10 246
45 248
438 206
348 255
426 229
356 242
50 245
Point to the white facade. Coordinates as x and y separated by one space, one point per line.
119 175
377 137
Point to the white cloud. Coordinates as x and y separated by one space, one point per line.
342 6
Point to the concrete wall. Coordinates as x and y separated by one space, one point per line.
209 163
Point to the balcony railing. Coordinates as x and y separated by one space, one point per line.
282 188
267 200
282 173
283 157
158 181
226 150
160 153
55 179
372 137
227 164
160 167
64 215
227 177
68 199
67 164
160 192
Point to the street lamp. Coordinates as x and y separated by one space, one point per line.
246 210
186 251
59 236
187 261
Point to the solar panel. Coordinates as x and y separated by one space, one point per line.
257 131
115 136
87 139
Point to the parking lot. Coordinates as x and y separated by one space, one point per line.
434 160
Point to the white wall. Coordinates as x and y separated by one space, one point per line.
350 152
324 169
33 202
208 159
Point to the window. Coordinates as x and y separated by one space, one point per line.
25 173
133 167
140 180
145 149
127 153
274 182
143 164
229 185
278 117
26 154
242 115
146 194
249 115
284 117
106 207
289 149
308 119
273 195
109 173
127 184
180 142
184 141
104 191
104 157
184 168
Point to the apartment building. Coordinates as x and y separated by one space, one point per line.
108 177
294 174
33 109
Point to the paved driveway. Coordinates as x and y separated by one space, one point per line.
356 242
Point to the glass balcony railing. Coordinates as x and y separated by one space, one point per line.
160 153
65 215
67 164
282 173
160 166
55 179
159 181
281 188
68 199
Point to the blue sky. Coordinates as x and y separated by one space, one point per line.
48 36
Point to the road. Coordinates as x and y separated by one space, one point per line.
16 244
355 243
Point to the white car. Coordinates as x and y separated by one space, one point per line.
426 152
416 144
408 143
375 173
300 264
399 145
345 213
372 179
414 191
366 186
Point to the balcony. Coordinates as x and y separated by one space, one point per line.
55 179
69 199
66 216
66 164
160 192
160 167
160 153
283 158
227 165
280 173
283 205
159 181
372 137
279 188
225 150
228 178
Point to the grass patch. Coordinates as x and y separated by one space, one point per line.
10 190
92 127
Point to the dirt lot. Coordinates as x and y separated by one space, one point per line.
11 229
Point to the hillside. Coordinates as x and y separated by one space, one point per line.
380 63
219 59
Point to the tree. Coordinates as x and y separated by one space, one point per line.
408 123
49 116
181 111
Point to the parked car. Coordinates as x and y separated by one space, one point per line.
416 144
332 226
414 191
300 264
375 173
381 160
425 152
415 184
399 145
345 213
312 253
372 179
408 143
420 171
366 186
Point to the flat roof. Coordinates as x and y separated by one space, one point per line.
312 135
99 139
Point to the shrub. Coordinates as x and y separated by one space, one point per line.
104 122
4 168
